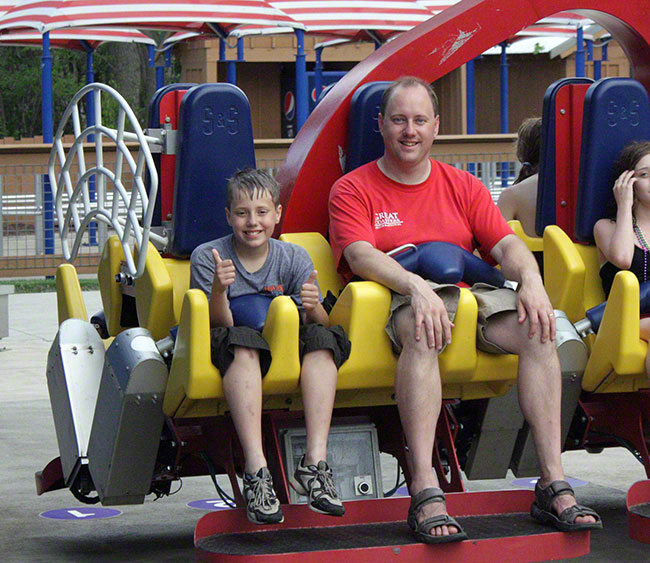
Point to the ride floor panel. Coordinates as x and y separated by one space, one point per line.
498 525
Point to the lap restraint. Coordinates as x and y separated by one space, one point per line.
443 262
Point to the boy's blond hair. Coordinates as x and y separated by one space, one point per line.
254 182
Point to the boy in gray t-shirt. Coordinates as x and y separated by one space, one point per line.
250 263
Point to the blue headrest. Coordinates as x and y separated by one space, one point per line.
443 262
546 197
365 142
616 111
155 123
250 310
215 139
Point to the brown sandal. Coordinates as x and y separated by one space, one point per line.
542 509
422 529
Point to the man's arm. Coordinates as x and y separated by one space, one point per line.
518 264
371 264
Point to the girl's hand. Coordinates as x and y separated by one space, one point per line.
624 189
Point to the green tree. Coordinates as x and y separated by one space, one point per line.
122 66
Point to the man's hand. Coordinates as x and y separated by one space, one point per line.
309 293
533 304
430 315
224 273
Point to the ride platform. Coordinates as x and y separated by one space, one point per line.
498 525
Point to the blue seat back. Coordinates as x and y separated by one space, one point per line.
561 116
364 143
215 139
616 111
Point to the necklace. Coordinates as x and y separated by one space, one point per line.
644 245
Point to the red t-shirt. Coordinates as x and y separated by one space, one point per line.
450 206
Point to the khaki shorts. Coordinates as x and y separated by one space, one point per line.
491 300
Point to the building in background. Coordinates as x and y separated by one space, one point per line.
268 72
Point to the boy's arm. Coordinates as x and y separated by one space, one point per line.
314 311
224 276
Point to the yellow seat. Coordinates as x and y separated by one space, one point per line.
617 354
534 244
368 376
159 292
69 300
194 387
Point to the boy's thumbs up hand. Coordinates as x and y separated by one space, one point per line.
224 272
309 292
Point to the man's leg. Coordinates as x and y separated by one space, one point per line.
540 389
318 386
419 397
242 386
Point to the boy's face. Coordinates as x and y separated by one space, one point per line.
253 220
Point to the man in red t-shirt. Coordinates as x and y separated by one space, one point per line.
407 197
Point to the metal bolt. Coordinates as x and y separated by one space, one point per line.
169 216
168 119
74 350
562 111
563 203
91 350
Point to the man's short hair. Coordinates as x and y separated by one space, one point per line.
254 182
407 82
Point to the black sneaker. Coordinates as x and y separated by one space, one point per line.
316 481
262 506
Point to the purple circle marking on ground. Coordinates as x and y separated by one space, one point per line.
80 513
530 482
209 504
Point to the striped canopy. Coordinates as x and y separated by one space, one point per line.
355 20
74 38
197 15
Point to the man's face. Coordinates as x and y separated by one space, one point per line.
409 126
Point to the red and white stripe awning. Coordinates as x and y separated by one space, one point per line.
355 20
72 38
354 15
48 15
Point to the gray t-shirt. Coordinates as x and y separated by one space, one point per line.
286 269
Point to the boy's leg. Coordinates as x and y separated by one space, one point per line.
242 385
318 385
323 350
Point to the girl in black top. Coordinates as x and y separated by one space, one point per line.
622 241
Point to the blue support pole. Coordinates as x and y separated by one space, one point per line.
580 53
597 70
47 119
318 73
603 56
160 70
590 50
231 69
231 65
160 77
470 90
470 95
90 121
240 50
46 80
301 81
504 107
